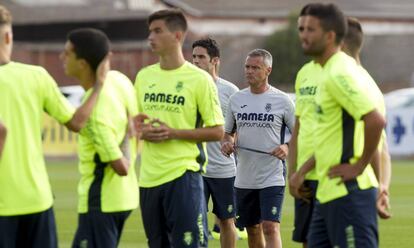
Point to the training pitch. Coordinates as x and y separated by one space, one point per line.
396 232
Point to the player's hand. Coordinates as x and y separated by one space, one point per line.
102 70
227 148
345 171
138 122
297 189
383 204
157 131
281 152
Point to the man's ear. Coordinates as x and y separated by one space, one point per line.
8 37
180 36
269 70
215 60
331 37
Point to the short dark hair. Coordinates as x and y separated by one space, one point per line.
174 19
89 44
5 16
210 45
354 35
330 16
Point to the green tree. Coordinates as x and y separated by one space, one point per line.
288 58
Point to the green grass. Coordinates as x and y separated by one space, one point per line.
396 232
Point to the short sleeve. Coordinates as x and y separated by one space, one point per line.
289 115
102 135
230 122
345 90
54 103
208 104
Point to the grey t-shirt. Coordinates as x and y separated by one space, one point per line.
220 166
259 121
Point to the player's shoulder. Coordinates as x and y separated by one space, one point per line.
341 64
309 66
149 70
119 78
196 72
28 68
279 94
223 83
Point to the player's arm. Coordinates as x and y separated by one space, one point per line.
105 139
385 175
383 201
227 144
3 135
79 119
292 156
374 123
376 164
297 178
282 151
121 166
159 131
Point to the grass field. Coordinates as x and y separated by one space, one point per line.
396 232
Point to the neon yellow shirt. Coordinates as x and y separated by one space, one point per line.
376 96
26 92
307 82
341 102
183 98
102 136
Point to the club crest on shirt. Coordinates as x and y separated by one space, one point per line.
268 107
179 86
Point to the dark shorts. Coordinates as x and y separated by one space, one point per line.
256 205
221 191
36 230
99 230
174 213
349 221
303 214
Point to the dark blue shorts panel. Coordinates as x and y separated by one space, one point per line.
174 214
31 230
303 213
222 193
256 205
99 230
350 221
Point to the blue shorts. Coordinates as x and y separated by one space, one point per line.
303 213
221 191
36 230
349 221
257 205
174 213
99 230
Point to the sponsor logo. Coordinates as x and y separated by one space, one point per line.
243 106
164 98
152 86
255 117
308 91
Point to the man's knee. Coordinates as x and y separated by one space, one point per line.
270 227
227 223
